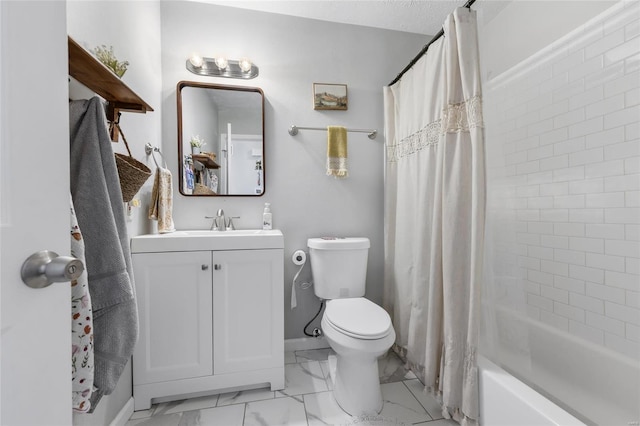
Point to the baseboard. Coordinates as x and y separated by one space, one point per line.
123 415
305 344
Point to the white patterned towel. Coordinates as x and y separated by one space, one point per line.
82 366
161 207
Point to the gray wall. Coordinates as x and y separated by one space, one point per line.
292 54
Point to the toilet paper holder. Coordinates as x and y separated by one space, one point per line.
299 257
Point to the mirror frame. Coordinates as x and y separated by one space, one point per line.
181 85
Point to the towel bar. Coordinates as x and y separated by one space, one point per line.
293 130
150 149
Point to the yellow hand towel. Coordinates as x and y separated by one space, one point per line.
161 207
337 151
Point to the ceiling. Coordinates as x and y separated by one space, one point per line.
415 16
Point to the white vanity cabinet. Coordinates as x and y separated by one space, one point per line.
175 310
210 320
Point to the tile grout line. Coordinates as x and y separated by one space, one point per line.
416 398
244 413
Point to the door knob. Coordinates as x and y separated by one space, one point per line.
45 267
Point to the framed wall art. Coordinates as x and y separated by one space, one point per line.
329 96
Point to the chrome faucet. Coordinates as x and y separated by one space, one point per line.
230 226
220 223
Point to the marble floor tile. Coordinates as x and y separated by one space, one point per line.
232 415
314 355
307 400
185 405
391 369
441 422
428 402
322 409
303 378
290 357
326 372
162 420
275 412
241 397
142 414
400 405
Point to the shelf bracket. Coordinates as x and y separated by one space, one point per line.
113 117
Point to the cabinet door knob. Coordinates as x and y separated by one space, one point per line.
205 267
217 267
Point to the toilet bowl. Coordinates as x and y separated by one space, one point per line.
359 331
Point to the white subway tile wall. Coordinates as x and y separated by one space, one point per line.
563 157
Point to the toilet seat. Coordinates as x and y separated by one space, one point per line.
358 317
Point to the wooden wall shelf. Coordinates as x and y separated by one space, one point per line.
85 68
206 161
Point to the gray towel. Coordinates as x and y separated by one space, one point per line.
97 197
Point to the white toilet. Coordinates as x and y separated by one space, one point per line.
358 330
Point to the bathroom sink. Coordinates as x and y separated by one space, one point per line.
235 232
196 240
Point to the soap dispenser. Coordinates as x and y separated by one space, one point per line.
267 217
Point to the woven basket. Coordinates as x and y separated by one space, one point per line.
200 189
132 173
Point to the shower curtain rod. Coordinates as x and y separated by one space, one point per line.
425 48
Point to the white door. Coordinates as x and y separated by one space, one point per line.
248 306
244 175
174 306
35 337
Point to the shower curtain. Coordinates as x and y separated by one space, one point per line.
434 215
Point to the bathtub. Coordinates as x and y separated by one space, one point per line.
588 383
506 401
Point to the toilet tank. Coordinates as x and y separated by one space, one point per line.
339 266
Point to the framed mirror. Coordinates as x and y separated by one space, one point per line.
220 139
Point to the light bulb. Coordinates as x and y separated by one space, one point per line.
245 64
196 60
221 62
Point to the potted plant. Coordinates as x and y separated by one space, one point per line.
196 143
108 58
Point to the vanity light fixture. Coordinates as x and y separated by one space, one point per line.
245 64
221 62
196 60
222 67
